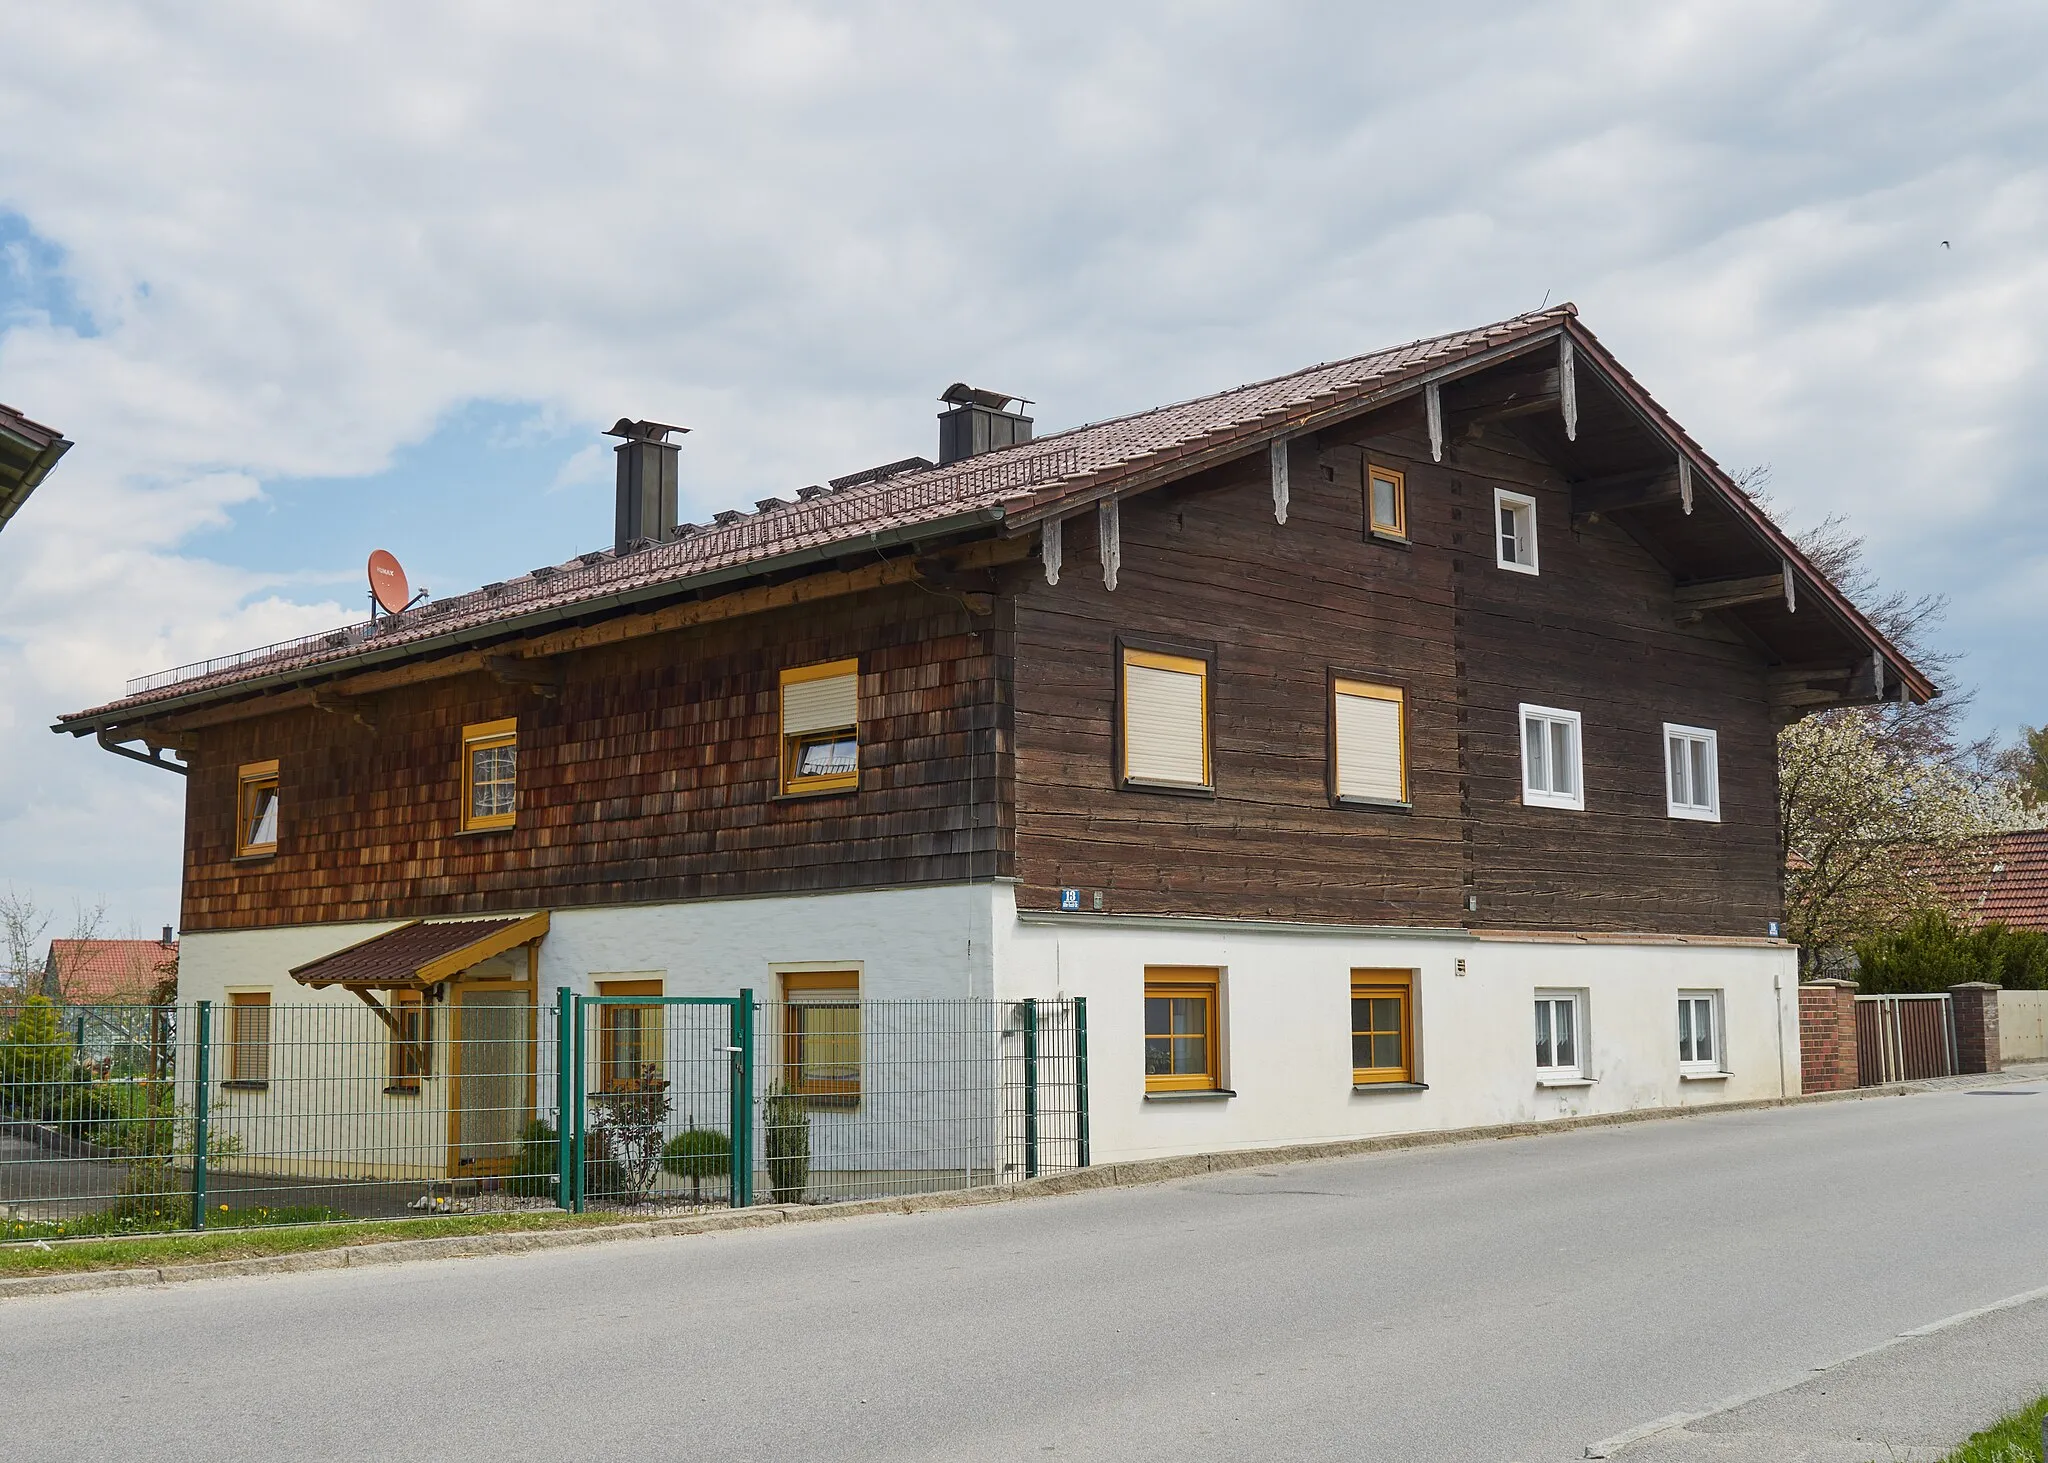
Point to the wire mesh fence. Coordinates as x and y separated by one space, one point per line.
471 1098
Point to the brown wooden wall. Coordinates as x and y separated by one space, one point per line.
651 776
1283 605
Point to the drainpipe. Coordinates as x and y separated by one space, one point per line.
112 742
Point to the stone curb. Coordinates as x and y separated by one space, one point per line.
1102 1176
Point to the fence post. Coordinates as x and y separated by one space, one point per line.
742 1176
564 1195
1029 1007
201 1090
1081 1075
577 1105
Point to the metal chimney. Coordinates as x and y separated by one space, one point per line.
979 422
647 483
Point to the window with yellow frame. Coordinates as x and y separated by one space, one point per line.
256 810
1368 743
821 1035
1386 500
1180 1029
629 1035
1382 1027
1165 720
412 1042
490 774
248 1039
820 721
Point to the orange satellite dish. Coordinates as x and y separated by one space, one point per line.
387 582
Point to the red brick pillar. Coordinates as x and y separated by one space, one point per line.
1974 1005
1827 1035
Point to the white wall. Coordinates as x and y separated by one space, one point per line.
1286 1001
1286 1041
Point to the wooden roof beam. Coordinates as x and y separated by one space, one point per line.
1619 492
541 676
1694 600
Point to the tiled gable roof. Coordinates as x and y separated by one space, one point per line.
988 487
109 972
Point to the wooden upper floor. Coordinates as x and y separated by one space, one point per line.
1468 647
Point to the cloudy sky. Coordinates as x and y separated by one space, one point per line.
302 280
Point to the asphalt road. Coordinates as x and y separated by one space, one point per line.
1494 1301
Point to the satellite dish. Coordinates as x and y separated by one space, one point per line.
388 585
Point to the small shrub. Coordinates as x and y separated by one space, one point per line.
630 1118
536 1174
698 1154
786 1135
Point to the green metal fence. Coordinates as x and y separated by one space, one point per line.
474 1100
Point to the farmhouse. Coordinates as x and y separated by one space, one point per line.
1386 746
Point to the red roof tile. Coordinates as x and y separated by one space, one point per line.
110 972
2015 890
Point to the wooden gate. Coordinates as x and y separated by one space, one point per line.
1904 1038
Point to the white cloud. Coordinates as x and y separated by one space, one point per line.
306 234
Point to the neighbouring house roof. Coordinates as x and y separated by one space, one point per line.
1008 490
106 972
421 954
2013 885
28 450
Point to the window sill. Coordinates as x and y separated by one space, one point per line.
1206 1094
1390 1087
1514 568
239 1086
255 856
1169 789
1377 805
1562 805
1693 815
1704 1076
484 832
1386 536
806 794
401 1092
1564 1081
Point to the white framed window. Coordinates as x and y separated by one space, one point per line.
1552 774
1692 773
1699 1032
1560 1036
1514 538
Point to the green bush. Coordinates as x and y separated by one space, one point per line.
537 1170
1932 952
698 1154
786 1135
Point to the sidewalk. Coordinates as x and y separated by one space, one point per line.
1910 1402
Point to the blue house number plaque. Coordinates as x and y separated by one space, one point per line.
1070 899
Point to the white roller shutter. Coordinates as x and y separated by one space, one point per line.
1369 747
1164 735
822 705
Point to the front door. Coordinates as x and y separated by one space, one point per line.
493 1078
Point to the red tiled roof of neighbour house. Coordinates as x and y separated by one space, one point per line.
2013 889
1012 486
109 972
410 955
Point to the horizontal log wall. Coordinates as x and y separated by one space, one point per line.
651 776
1283 605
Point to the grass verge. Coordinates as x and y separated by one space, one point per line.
241 1244
2014 1439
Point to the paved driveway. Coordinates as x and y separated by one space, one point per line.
1497 1301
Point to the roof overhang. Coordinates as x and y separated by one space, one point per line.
28 450
420 954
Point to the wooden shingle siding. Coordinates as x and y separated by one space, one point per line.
1284 605
652 776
